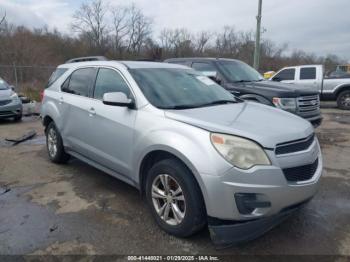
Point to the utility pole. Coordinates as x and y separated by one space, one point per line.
257 38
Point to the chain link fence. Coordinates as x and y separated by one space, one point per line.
27 79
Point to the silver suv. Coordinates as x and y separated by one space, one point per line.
198 154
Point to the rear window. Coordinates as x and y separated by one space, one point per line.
80 82
307 73
55 75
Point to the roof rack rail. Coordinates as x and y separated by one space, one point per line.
86 59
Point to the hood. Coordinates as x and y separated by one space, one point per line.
5 94
264 124
277 88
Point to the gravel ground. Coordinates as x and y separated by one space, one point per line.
76 209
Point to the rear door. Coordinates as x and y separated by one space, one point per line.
308 77
111 128
77 90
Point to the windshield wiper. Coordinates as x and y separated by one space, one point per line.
242 81
180 107
218 102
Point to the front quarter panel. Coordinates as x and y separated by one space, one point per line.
190 144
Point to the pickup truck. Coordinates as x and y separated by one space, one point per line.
246 83
332 87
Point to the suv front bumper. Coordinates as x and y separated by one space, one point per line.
274 196
226 233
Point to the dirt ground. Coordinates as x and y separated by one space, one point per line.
76 209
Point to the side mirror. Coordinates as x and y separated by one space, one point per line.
12 87
276 79
213 75
118 99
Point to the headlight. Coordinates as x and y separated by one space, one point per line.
240 152
14 96
285 103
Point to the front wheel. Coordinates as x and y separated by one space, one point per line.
54 145
175 198
343 100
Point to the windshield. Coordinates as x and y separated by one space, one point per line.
236 71
3 85
173 88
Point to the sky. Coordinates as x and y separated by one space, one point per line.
317 26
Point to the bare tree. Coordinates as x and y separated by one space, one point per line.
227 42
3 19
177 42
120 27
90 22
202 41
139 29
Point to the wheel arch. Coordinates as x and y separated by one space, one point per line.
156 155
341 89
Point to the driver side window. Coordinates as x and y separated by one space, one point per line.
109 81
286 74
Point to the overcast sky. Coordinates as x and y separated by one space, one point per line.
317 26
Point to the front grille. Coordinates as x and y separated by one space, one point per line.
308 104
5 102
294 146
6 113
300 173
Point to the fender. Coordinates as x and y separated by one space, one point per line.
340 88
193 154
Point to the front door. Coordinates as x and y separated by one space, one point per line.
111 129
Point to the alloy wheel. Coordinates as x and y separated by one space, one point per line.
52 142
345 100
168 199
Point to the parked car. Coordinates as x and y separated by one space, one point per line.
198 154
10 103
331 88
245 82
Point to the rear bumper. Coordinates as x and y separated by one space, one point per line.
226 233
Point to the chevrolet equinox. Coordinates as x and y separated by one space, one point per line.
198 154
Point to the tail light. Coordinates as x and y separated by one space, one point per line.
42 93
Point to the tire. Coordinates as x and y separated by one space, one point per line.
193 211
343 100
18 118
54 145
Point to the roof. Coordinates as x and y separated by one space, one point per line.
198 59
87 58
126 64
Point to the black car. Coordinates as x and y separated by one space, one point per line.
245 82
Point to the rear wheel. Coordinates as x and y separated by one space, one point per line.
54 145
343 100
175 198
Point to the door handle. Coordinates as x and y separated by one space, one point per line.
61 100
92 111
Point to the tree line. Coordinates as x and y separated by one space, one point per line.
125 32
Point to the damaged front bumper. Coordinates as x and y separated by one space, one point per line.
226 233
